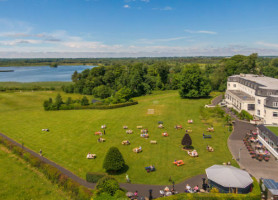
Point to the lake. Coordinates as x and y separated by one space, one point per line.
40 73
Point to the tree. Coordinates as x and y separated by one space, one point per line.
74 76
59 101
84 101
69 101
186 141
193 83
108 184
113 160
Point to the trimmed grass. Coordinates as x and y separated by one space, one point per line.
71 134
274 129
18 181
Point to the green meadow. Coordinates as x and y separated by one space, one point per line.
72 136
20 181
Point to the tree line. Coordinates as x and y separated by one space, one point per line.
118 83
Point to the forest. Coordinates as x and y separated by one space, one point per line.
118 82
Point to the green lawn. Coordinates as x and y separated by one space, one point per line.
18 181
71 134
274 129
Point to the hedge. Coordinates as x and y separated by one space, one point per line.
100 107
75 190
93 177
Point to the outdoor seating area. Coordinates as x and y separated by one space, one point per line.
209 148
129 131
165 134
144 131
206 136
178 162
178 127
98 133
101 139
144 135
210 129
91 156
125 142
160 126
255 148
193 153
137 149
190 121
150 168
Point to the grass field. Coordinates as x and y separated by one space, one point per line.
55 84
19 181
274 129
71 134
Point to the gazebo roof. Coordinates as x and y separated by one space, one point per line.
229 176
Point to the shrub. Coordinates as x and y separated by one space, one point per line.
214 190
93 177
114 160
186 141
108 184
35 162
245 115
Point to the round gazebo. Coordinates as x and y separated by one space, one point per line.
228 179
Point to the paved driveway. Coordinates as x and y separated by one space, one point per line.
239 151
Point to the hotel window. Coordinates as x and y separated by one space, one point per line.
275 104
275 114
258 112
259 101
269 93
234 85
251 107
228 84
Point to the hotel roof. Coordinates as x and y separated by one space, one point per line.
267 82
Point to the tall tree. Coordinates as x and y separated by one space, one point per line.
193 83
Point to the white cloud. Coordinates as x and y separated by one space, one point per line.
200 32
147 1
126 6
273 45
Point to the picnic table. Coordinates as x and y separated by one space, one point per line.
144 135
129 131
91 156
165 134
178 162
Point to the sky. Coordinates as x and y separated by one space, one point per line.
137 28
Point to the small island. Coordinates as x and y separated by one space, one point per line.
9 70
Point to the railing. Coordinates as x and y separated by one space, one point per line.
269 148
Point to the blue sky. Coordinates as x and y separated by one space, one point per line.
133 28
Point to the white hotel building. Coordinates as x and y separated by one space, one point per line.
258 95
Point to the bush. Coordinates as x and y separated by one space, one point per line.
93 177
186 141
214 190
108 185
245 115
113 160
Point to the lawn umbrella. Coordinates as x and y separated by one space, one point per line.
129 194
